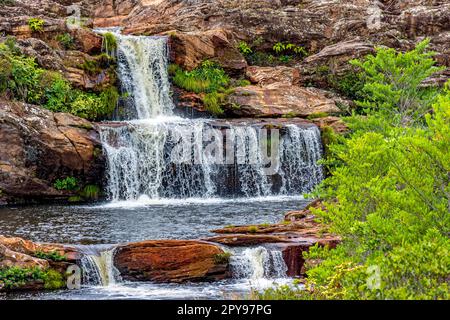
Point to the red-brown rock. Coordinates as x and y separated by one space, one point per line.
170 261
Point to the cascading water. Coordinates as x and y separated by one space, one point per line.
98 267
142 70
258 263
162 156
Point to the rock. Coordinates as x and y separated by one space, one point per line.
278 100
28 247
335 123
190 49
41 147
268 75
170 261
9 258
87 40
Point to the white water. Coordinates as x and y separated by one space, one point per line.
156 158
98 267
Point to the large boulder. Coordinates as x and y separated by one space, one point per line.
9 258
39 147
191 48
278 100
171 261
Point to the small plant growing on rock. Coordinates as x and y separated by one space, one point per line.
252 229
36 24
109 42
222 258
66 40
244 48
52 255
69 183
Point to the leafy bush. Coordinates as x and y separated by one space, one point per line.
283 48
388 194
69 183
16 277
36 24
244 48
66 40
392 82
213 102
22 79
53 256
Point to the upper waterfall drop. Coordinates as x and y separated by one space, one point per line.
142 67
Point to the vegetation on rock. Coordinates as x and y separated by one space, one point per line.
36 24
16 277
388 194
22 79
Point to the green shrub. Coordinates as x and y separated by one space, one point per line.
388 194
244 48
15 277
53 256
23 80
36 24
66 40
392 82
69 183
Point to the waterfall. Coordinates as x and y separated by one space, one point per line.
156 155
188 158
258 263
142 68
98 268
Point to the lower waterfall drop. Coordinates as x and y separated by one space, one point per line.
98 269
258 263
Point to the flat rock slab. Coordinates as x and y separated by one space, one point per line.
171 261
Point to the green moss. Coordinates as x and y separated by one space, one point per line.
252 229
289 115
222 258
16 277
109 42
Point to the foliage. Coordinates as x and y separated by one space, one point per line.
392 82
66 40
252 229
207 78
36 24
289 48
388 195
52 255
21 78
213 101
317 115
349 84
222 258
244 48
69 183
91 192
16 277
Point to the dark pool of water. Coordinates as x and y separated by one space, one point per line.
141 220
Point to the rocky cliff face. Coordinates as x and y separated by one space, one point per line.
39 147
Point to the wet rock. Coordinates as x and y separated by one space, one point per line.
10 258
40 147
171 261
